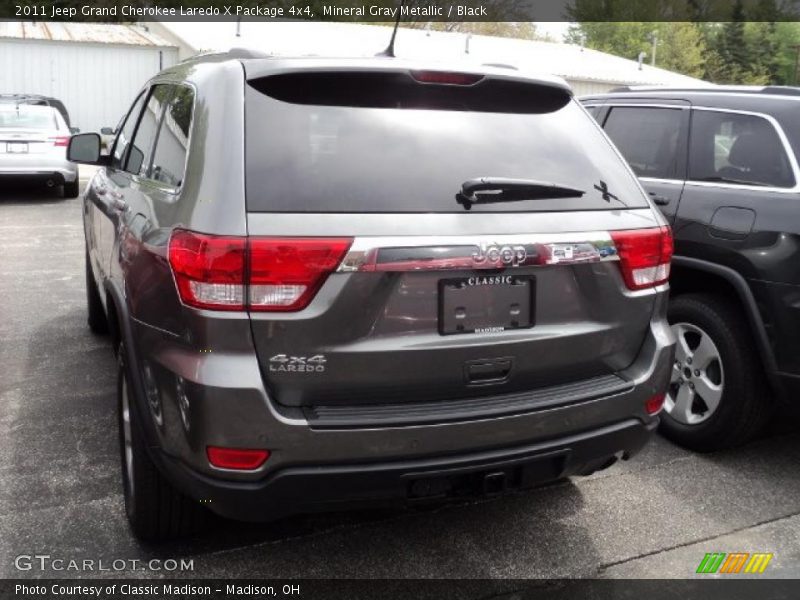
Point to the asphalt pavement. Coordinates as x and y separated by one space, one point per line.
60 492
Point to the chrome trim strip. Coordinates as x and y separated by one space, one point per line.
646 104
450 253
662 180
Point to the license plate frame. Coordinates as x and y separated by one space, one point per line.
485 302
17 147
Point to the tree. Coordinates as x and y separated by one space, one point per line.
731 43
522 30
681 45
681 48
498 21
749 41
738 50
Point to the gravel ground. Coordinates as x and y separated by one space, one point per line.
655 516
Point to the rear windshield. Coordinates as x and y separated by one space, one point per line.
317 145
27 116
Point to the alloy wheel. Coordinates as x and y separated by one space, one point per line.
697 380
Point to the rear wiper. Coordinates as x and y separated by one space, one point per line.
719 179
487 190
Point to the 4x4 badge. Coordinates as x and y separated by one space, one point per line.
297 364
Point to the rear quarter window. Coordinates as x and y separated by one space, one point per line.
737 147
409 147
169 158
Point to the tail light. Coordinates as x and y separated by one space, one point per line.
654 404
209 270
644 256
286 273
61 141
260 274
236 458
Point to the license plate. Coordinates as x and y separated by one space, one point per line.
486 304
17 147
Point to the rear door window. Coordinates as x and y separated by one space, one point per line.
322 145
649 139
737 148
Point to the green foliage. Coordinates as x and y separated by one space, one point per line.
522 30
680 45
755 44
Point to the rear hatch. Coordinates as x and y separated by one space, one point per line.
424 236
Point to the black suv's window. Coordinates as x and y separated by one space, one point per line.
401 146
648 138
139 152
126 131
169 158
739 148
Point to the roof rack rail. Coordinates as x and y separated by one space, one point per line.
775 90
783 90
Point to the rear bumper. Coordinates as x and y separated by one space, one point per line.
328 465
38 167
305 489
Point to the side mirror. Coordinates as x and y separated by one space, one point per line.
135 159
74 130
84 148
107 131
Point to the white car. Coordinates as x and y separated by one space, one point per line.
33 145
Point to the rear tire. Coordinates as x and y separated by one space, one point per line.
71 188
717 403
98 323
156 511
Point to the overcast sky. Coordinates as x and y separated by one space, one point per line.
555 30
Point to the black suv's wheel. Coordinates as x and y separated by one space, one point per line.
717 396
155 509
97 320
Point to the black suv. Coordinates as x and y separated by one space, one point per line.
722 163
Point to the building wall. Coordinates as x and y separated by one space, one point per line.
585 88
96 82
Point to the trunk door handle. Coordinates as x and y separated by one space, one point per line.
488 371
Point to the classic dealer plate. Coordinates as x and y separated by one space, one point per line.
485 303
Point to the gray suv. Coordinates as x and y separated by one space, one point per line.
333 283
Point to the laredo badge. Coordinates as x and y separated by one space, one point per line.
297 364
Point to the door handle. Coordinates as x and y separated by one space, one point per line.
659 200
